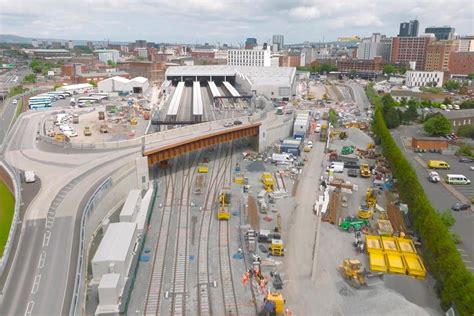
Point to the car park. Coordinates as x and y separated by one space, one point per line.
457 207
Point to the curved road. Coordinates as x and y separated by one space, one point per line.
42 273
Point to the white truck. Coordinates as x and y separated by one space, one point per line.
337 166
283 159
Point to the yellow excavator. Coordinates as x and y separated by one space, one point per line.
356 275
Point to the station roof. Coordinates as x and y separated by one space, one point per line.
116 242
255 75
458 114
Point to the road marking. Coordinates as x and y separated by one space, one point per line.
36 284
459 249
464 255
29 308
42 260
46 237
467 261
471 268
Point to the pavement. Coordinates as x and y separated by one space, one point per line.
44 263
443 196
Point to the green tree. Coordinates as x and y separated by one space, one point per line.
447 100
389 69
93 83
470 76
31 78
403 101
111 63
332 116
468 104
411 114
448 218
326 68
36 65
437 126
451 85
16 91
392 117
56 86
465 150
402 70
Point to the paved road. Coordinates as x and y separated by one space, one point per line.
440 197
359 95
43 270
7 113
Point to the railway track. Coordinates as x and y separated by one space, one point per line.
154 295
180 268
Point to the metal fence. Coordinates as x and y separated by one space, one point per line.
15 176
91 204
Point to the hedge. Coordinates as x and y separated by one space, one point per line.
455 284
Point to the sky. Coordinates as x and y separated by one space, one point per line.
225 21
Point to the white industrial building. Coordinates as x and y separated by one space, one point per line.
114 254
249 57
108 54
120 84
424 78
131 207
79 88
110 293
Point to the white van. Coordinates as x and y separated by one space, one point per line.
449 106
30 176
456 107
337 166
283 159
457 179
443 106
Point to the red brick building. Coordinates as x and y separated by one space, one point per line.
98 76
461 63
153 71
437 55
361 65
71 70
407 49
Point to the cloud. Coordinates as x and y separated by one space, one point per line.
225 20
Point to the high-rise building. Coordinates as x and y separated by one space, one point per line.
411 49
278 39
140 44
376 45
441 32
34 43
70 45
437 55
108 54
466 44
56 45
250 43
249 57
409 29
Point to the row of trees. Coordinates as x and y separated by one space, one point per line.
393 115
323 68
391 69
42 67
455 283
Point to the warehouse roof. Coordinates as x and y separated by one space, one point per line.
102 74
75 86
50 50
131 202
116 242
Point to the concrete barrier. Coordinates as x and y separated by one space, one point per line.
16 184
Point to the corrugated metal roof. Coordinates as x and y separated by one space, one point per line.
458 114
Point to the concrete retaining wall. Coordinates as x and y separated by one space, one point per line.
12 179
273 133
123 180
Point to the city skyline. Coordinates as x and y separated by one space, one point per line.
225 21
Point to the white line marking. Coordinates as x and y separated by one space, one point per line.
472 268
463 255
467 261
36 284
29 308
460 249
46 237
42 260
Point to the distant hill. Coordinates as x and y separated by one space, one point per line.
14 39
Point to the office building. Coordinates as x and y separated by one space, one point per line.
466 44
142 52
374 65
70 45
250 43
279 40
249 57
441 32
424 78
461 63
140 44
376 45
108 54
409 29
34 43
56 45
437 55
411 50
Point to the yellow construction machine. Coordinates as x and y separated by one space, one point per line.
223 212
364 170
366 211
355 274
274 304
267 180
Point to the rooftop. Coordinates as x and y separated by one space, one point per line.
50 50
116 242
99 74
75 86
458 114
131 202
109 280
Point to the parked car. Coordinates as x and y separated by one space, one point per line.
471 168
237 122
70 133
228 124
457 207
465 159
29 176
